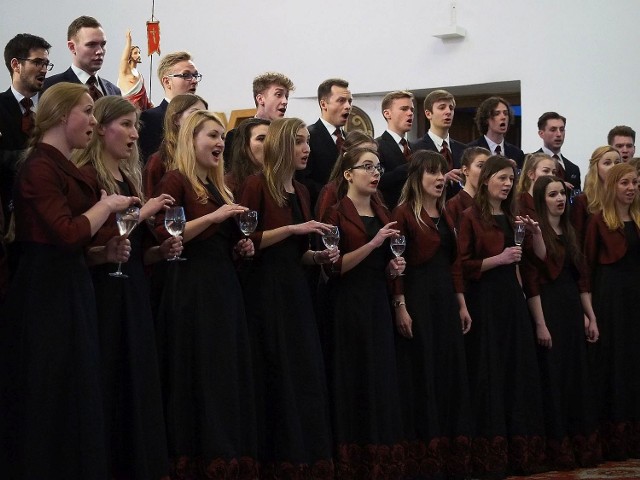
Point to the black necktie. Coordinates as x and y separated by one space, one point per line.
559 168
339 139
94 91
446 153
498 150
406 150
27 117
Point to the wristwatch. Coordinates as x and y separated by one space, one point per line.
397 303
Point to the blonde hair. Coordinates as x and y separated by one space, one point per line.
54 104
593 186
530 164
170 60
279 147
185 158
109 109
609 211
178 105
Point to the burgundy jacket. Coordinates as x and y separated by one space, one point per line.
458 204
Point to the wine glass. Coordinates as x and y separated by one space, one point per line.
397 243
248 221
174 222
127 220
518 234
331 238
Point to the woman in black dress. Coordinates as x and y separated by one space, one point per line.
52 422
612 246
431 318
131 382
500 348
363 378
294 438
559 299
205 359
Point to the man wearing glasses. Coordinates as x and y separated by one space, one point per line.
27 59
178 75
87 43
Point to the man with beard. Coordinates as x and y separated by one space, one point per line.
493 117
130 81
327 134
87 43
271 96
27 59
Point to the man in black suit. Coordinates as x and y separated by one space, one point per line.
551 129
87 43
178 75
393 147
27 59
327 134
439 108
493 117
271 96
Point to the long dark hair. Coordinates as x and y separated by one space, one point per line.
242 164
493 165
551 240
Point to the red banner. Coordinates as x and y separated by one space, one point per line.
153 38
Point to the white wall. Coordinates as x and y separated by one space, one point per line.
578 57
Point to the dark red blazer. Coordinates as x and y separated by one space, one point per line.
601 245
256 196
477 240
153 172
353 233
176 184
423 242
536 272
51 196
458 204
580 216
525 206
327 198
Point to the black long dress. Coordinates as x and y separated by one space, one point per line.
569 410
134 419
51 420
432 365
204 352
503 372
363 384
294 438
615 358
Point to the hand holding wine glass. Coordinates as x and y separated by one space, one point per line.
248 221
518 233
398 244
174 223
331 238
127 220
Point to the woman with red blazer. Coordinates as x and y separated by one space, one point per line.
500 347
50 378
536 165
590 200
431 318
612 247
363 383
471 163
559 299
293 423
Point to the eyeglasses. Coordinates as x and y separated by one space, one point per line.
369 168
38 62
187 76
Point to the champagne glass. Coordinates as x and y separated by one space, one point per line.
397 243
127 220
331 238
174 222
518 234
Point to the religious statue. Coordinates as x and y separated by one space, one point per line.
130 81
